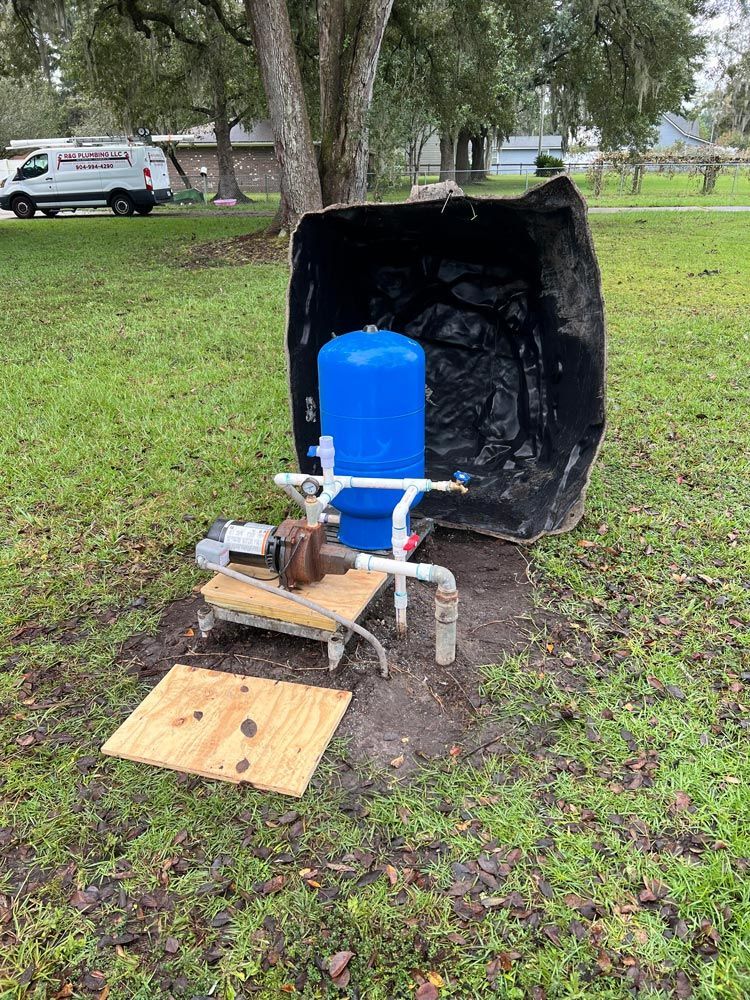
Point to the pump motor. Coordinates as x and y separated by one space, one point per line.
294 551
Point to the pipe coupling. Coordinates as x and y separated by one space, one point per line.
446 606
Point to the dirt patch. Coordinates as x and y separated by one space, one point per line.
423 709
249 248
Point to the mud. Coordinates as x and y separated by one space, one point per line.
423 710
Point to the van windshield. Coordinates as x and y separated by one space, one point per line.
35 166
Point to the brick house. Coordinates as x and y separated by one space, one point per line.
254 158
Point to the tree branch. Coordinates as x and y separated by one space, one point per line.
142 18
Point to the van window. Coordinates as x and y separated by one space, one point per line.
36 166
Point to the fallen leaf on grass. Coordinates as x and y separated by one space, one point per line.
342 981
586 907
683 988
338 962
680 802
427 991
397 761
653 891
94 980
501 963
84 899
275 884
436 979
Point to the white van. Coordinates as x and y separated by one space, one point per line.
126 177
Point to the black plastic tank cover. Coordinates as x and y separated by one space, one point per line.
504 294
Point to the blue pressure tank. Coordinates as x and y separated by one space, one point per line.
372 399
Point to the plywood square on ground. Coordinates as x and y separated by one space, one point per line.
349 594
232 727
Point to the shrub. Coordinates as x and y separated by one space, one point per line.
548 166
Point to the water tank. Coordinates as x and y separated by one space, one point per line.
372 397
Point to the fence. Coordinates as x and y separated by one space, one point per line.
647 183
658 182
264 187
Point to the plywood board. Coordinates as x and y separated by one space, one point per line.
232 727
348 594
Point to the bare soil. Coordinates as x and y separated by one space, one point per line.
262 247
423 710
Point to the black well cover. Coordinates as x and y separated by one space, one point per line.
504 295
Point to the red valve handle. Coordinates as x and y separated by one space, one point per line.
411 543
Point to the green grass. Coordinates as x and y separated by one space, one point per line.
139 400
656 189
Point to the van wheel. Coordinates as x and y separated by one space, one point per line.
145 209
23 207
50 212
122 204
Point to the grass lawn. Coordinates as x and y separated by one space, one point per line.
657 189
139 400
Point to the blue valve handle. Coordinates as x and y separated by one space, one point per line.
312 451
464 478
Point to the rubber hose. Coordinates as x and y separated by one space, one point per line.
334 615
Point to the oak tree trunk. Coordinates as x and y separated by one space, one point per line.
228 185
463 175
350 34
478 168
287 108
447 157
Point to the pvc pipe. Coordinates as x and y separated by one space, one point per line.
363 482
426 572
446 598
294 494
298 599
398 540
314 506
327 456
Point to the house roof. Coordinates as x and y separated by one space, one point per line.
689 129
259 134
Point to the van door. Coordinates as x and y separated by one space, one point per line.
37 179
78 176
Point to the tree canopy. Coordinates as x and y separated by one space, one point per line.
468 68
